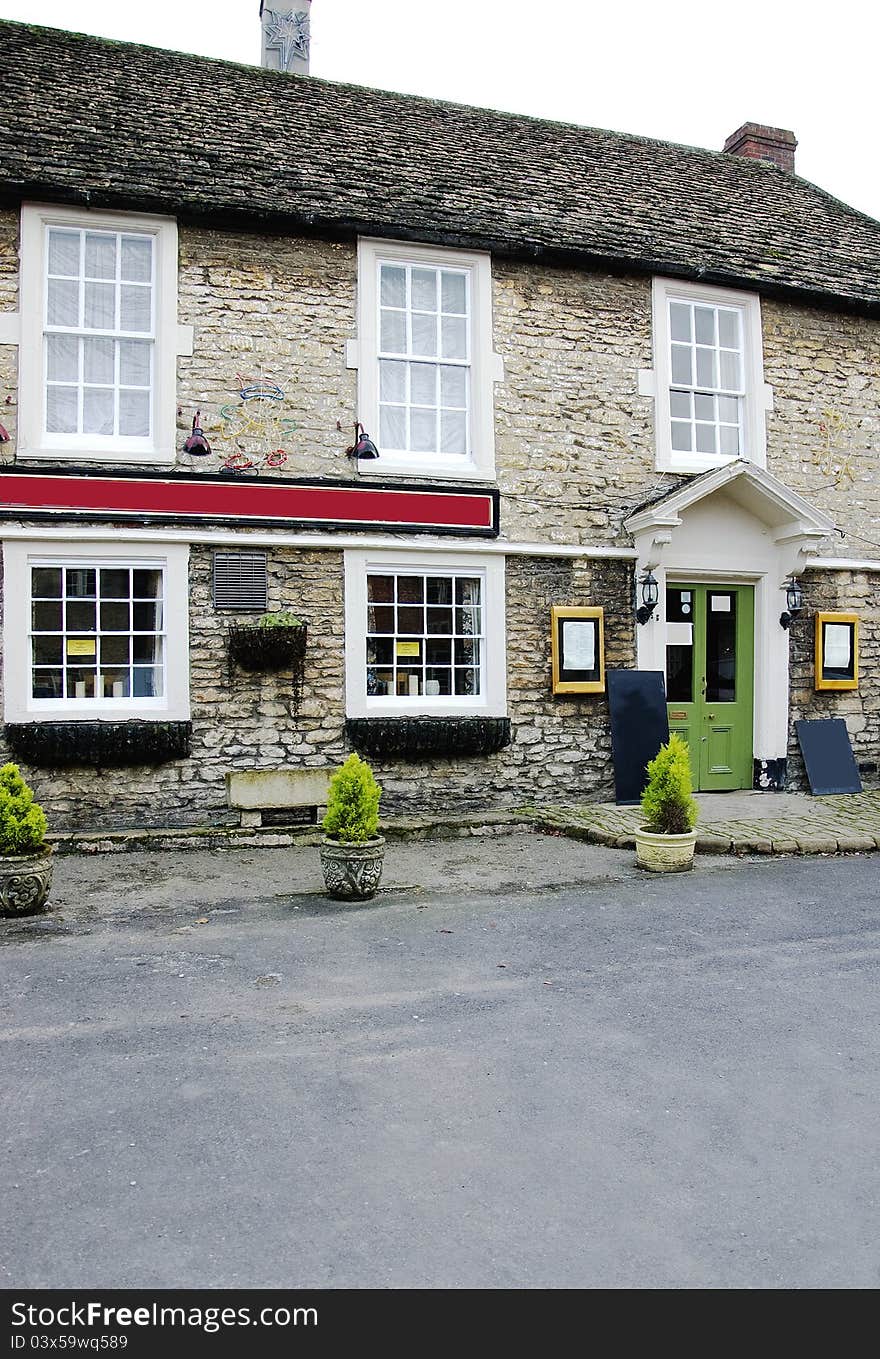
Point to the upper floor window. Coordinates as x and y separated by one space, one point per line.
425 359
99 336
708 377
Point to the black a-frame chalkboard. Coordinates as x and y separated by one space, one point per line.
828 756
639 727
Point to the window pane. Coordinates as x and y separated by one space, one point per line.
424 290
704 324
453 386
467 682
704 407
99 361
146 617
392 427
81 682
728 329
728 409
146 583
682 437
46 617
380 589
380 618
134 413
137 259
64 253
392 286
706 439
730 371
135 311
48 684
48 650
80 615
467 653
438 651
61 410
115 683
134 363
423 384
62 307
467 590
729 441
46 582
380 651
706 368
439 621
454 337
100 255
393 332
410 619
680 321
115 583
454 293
453 432
115 650
438 682
424 431
115 617
467 622
97 410
681 365
146 650
410 589
62 358
438 590
424 335
392 381
80 582
100 306
680 405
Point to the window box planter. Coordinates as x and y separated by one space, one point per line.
255 647
53 745
428 738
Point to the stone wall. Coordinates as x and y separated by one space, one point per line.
849 592
560 748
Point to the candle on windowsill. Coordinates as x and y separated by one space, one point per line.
413 686
80 688
117 688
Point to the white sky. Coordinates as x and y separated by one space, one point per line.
687 72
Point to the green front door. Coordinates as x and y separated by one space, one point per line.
710 679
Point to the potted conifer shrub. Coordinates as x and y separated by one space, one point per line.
666 843
25 860
353 852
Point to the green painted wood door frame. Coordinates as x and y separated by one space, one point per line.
712 691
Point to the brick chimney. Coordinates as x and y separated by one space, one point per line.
763 143
286 37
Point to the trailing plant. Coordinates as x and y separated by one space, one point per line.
353 803
667 803
22 821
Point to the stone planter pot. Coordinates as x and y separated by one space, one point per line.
25 880
665 853
352 872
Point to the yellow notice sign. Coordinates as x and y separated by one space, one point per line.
80 646
407 648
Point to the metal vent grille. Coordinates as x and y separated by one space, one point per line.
240 581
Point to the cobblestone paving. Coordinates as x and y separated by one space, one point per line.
821 825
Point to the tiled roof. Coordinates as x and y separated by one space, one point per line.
113 124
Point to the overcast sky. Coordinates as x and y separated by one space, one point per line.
687 72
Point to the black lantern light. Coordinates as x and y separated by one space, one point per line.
650 597
363 446
794 602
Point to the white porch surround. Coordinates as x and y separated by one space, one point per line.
740 525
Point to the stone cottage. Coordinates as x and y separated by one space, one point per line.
596 369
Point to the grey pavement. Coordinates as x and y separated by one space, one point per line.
588 1077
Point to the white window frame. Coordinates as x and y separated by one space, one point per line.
19 556
485 366
170 341
492 702
758 396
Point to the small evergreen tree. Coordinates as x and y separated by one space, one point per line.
22 821
353 803
667 803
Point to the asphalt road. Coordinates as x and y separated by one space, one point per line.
635 1082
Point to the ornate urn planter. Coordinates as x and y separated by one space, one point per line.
25 880
352 872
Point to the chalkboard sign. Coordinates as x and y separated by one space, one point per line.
828 756
639 727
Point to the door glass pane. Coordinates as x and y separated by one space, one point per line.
680 645
720 646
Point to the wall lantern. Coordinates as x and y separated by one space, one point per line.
197 445
650 592
794 603
363 446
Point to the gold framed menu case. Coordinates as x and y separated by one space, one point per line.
837 651
578 650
